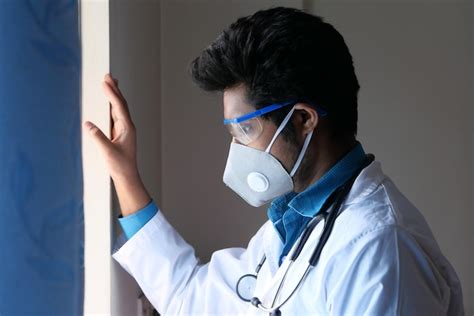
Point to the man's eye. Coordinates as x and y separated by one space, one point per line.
246 128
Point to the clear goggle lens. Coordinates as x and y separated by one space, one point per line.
247 131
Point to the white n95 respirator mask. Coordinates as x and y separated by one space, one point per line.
256 175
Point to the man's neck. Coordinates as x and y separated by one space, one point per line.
326 158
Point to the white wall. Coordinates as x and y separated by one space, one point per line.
97 191
414 63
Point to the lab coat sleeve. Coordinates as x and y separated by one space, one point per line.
384 272
172 277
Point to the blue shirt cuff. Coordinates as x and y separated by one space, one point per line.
134 222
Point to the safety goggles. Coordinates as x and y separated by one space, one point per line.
248 127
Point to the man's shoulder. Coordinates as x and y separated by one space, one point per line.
385 209
374 212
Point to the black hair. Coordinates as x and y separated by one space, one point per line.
283 54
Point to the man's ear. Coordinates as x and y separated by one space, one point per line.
307 117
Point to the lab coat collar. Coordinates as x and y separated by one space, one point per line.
366 183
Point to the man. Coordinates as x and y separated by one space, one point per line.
290 103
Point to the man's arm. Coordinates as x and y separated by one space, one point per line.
173 278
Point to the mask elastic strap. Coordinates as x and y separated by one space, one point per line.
301 155
280 128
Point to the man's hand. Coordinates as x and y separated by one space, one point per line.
120 152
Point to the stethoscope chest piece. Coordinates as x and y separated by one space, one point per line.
246 286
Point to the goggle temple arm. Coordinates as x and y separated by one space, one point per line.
271 108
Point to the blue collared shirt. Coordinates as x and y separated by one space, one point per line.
133 222
291 212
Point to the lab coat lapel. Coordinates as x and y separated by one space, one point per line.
272 248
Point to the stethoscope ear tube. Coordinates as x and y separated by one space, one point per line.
328 225
305 236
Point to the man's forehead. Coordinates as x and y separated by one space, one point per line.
235 103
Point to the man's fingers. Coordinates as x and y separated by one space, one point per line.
118 105
97 136
114 84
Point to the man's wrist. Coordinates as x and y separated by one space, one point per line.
132 195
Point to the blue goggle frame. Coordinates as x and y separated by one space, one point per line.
267 109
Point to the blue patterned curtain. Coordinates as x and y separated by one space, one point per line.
41 196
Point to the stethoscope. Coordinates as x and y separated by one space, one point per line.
246 284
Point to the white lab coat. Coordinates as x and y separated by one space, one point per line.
381 259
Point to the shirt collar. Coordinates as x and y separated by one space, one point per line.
309 202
